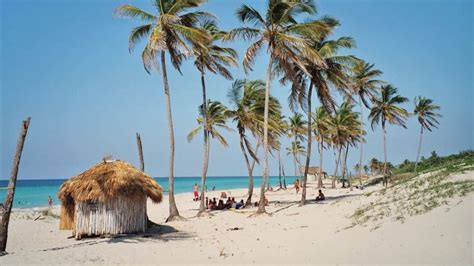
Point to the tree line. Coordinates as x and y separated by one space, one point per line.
302 55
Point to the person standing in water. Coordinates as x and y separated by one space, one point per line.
50 201
196 193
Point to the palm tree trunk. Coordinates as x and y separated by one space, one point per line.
249 169
261 205
283 173
308 149
385 156
140 152
345 165
361 141
419 148
172 208
320 175
337 165
206 146
7 206
279 169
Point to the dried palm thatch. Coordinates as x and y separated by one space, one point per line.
110 179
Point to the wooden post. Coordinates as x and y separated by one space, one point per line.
140 152
7 206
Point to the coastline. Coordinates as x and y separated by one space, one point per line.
319 232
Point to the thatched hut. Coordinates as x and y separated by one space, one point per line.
109 198
313 173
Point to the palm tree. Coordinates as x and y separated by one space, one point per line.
286 44
296 149
216 119
426 111
366 169
343 126
171 30
296 130
215 59
247 98
320 128
365 85
386 109
374 166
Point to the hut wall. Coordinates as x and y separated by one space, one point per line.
114 216
66 221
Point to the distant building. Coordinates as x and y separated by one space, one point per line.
313 172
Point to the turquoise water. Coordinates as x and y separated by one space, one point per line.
34 193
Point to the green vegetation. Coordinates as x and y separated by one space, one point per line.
413 194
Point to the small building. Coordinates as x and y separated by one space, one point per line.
109 198
313 172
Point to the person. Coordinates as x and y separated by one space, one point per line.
213 188
223 195
196 193
207 203
320 196
265 200
220 205
234 204
50 201
297 185
240 204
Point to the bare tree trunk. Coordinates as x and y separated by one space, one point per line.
7 206
419 148
308 149
140 153
261 205
333 185
385 156
320 175
361 141
206 146
174 213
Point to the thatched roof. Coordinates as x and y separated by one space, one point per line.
110 179
311 170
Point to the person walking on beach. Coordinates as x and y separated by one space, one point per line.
196 193
50 201
297 185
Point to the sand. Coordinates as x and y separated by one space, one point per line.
317 233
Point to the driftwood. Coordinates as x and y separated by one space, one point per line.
7 206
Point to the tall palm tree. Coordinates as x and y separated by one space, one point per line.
209 56
386 109
216 119
247 98
171 30
427 113
365 85
320 129
296 149
286 44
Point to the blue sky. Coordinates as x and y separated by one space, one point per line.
66 64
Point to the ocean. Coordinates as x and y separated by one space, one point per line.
34 193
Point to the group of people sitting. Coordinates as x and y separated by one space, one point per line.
229 204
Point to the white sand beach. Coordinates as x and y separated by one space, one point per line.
317 233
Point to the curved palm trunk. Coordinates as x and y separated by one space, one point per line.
344 168
172 208
261 205
250 171
361 142
308 149
333 185
385 156
419 148
206 146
